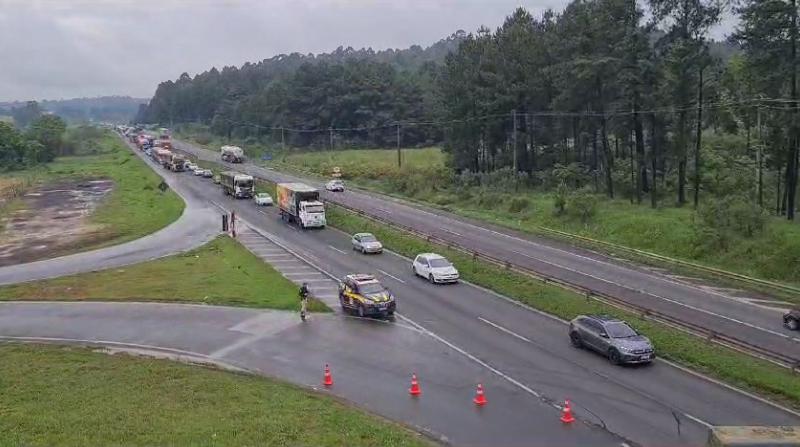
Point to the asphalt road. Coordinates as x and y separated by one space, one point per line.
277 343
656 406
723 314
199 224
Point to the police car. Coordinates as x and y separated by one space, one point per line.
366 296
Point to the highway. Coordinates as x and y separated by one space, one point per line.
199 223
715 311
654 406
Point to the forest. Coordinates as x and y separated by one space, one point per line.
83 110
593 98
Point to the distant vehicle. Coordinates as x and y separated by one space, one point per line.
263 199
236 184
366 296
792 319
199 172
436 268
207 173
335 185
611 337
177 163
191 167
231 154
366 243
301 203
216 180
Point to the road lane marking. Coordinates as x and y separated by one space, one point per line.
507 331
334 248
392 276
384 210
448 231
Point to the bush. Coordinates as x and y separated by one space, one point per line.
518 204
582 204
560 199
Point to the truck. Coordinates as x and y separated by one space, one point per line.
177 163
163 156
231 154
163 133
236 184
301 204
754 436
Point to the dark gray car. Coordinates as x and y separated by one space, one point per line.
611 337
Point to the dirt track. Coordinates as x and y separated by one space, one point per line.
53 221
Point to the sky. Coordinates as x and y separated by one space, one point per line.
62 49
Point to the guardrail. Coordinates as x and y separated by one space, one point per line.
722 339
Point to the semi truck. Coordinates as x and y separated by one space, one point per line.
236 184
231 154
301 204
163 156
177 163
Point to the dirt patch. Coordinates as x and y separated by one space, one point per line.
53 221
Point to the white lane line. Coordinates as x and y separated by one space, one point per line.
392 276
507 331
384 210
334 248
448 231
678 303
307 273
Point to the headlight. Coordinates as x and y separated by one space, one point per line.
625 349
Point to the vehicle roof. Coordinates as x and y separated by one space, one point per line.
431 256
603 318
362 278
297 187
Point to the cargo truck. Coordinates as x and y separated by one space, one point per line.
236 184
299 203
163 156
177 163
231 154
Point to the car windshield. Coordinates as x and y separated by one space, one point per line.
440 262
620 330
368 238
261 195
315 209
370 288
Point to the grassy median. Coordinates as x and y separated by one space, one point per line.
221 272
75 397
725 364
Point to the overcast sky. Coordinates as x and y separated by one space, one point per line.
61 49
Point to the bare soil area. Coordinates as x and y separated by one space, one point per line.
53 221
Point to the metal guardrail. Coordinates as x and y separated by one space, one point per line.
722 339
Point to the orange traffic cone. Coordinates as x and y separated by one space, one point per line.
566 413
328 379
414 390
480 399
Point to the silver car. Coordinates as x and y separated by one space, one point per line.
366 243
611 337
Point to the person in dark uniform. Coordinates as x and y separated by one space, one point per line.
304 300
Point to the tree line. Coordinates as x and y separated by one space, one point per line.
83 110
592 97
38 138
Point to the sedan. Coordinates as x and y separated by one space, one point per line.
366 243
611 337
435 268
262 199
199 171
207 173
335 185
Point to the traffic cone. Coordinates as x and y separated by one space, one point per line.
328 379
480 399
414 390
566 413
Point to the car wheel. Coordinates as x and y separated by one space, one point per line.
414 270
614 357
430 279
575 340
363 251
792 324
361 310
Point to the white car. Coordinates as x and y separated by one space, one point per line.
335 185
199 171
435 268
191 167
262 199
366 243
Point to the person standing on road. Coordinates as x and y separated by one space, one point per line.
303 300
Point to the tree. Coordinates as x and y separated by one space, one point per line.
25 115
15 151
48 130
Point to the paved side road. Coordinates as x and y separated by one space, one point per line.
276 343
708 309
199 224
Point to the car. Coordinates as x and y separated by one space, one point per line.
191 167
366 296
611 337
262 199
335 185
199 171
366 243
792 319
436 268
207 173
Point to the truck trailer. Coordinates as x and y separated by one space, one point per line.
301 204
231 154
163 156
236 184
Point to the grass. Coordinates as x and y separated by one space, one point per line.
76 397
221 272
696 353
135 207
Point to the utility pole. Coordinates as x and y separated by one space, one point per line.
330 130
759 161
283 142
399 153
514 139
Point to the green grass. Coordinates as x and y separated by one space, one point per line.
221 272
696 353
75 397
135 207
